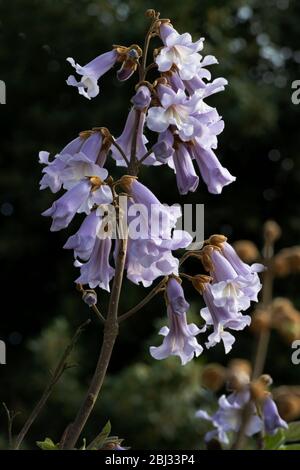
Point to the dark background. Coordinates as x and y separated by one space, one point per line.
151 404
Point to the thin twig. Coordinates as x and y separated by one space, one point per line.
143 302
267 294
111 327
147 154
118 147
10 419
240 438
61 367
98 313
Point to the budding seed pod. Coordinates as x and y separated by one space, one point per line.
217 240
89 297
246 250
213 377
272 231
238 374
261 320
288 406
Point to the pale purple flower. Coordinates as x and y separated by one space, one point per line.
271 417
180 337
97 270
83 241
77 177
176 297
213 173
142 98
149 254
228 289
64 209
229 415
186 178
125 140
91 72
179 110
244 270
179 50
220 318
89 145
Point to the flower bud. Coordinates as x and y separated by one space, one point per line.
89 297
246 250
213 377
217 240
238 374
261 320
272 231
288 402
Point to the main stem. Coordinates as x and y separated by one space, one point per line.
267 294
111 328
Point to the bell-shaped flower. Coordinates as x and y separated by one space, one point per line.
213 173
229 417
88 143
244 270
271 417
125 140
179 110
91 72
179 50
186 177
97 271
230 290
221 318
180 337
83 241
175 296
64 209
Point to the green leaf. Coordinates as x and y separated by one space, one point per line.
293 432
274 442
99 441
47 444
290 447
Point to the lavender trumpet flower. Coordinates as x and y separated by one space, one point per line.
179 337
91 72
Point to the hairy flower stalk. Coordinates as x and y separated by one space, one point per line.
173 107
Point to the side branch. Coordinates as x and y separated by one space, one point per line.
143 302
61 367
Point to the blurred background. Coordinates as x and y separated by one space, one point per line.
151 404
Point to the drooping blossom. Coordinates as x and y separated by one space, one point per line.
97 271
135 126
271 417
221 319
229 417
180 337
85 186
88 143
179 50
83 241
149 254
91 72
179 110
213 173
186 177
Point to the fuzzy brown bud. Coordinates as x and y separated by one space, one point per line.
272 231
246 250
213 377
238 374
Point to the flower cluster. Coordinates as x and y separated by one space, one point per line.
229 416
174 107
